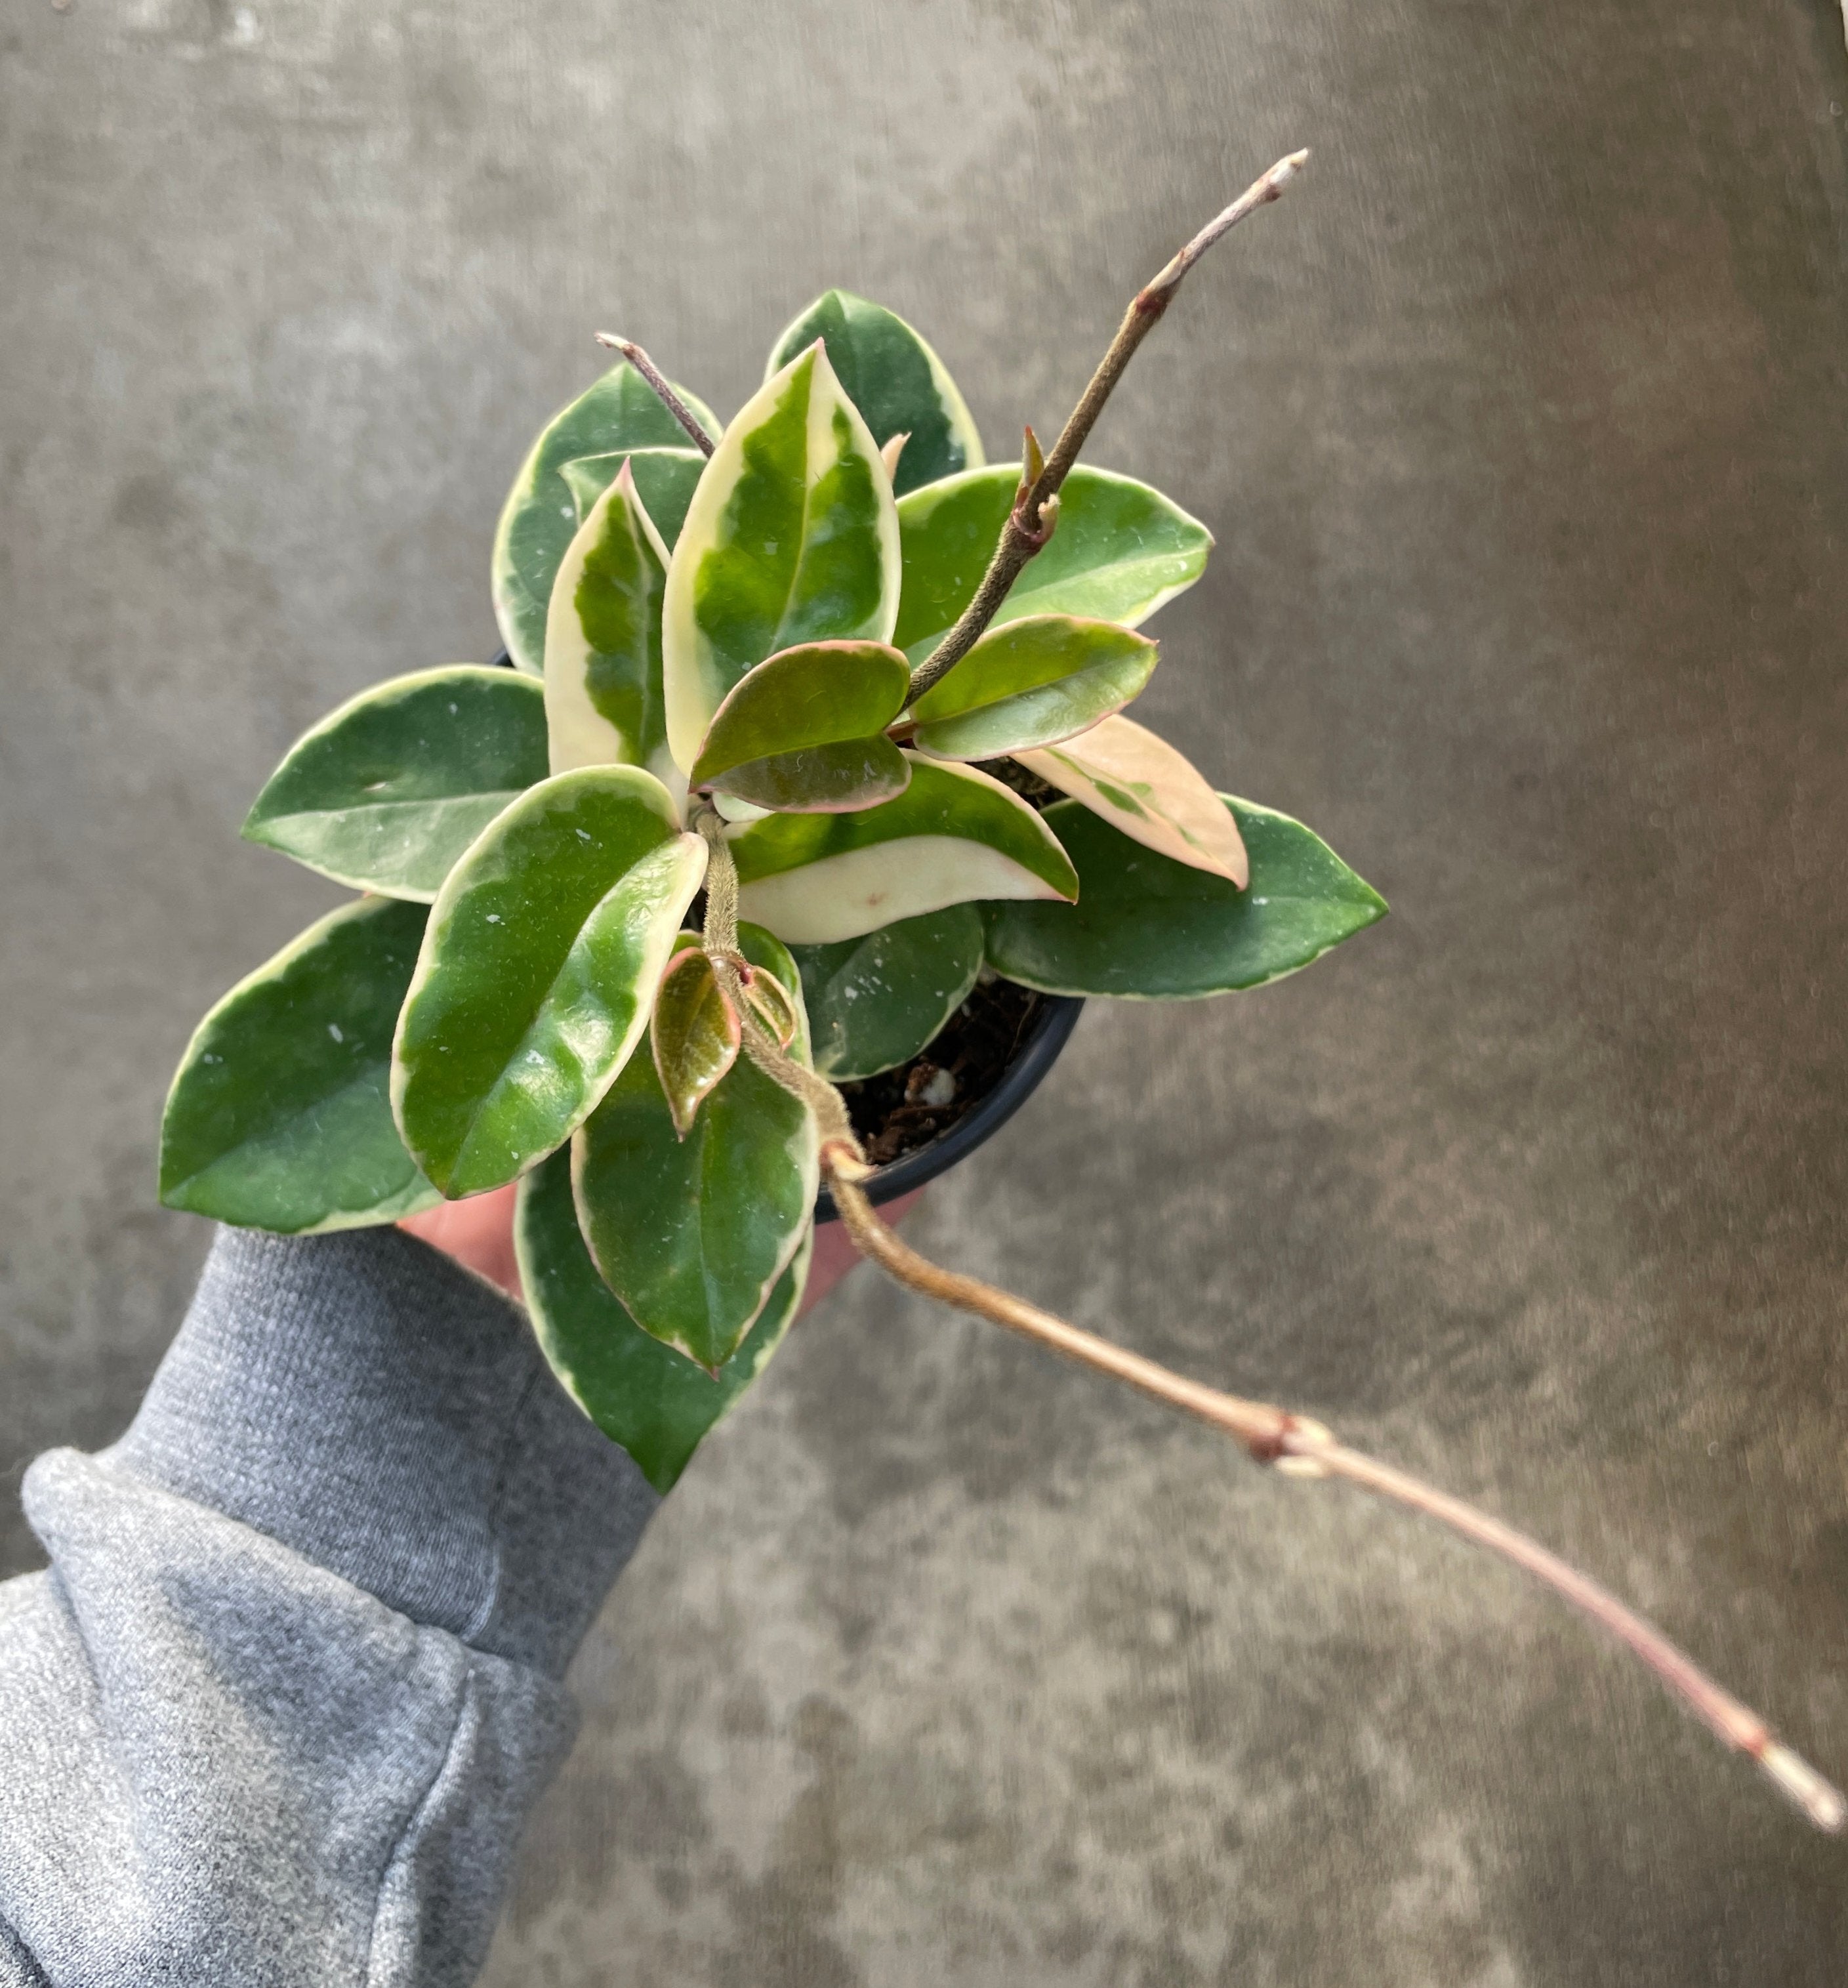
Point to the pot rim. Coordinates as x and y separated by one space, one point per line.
1050 1030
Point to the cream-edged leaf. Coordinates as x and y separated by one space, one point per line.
385 793
791 538
1120 551
603 700
539 518
279 1116
542 955
900 386
954 835
1036 680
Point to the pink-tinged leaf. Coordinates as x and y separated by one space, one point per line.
772 1003
1140 784
695 1032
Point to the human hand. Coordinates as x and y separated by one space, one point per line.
478 1234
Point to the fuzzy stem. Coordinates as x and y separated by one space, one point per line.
1032 521
729 966
668 398
1300 1447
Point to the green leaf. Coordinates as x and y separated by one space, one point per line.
955 834
665 480
1120 550
898 383
278 1116
814 695
387 793
792 539
695 1032
1139 783
693 1234
823 779
542 955
874 1002
540 517
603 702
1037 681
804 730
1148 928
642 1394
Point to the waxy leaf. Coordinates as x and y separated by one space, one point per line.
814 695
805 730
665 480
603 641
874 1002
645 1396
1145 928
695 1034
1036 680
898 383
542 955
955 834
540 518
1119 551
792 539
1140 784
693 1234
387 793
776 1006
822 779
279 1116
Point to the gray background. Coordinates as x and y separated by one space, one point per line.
1521 423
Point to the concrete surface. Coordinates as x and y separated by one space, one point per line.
1522 425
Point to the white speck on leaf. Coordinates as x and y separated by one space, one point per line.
494 917
333 1029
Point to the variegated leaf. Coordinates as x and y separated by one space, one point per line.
387 793
542 955
603 702
1120 550
693 1234
540 518
1139 783
953 835
1036 680
895 380
665 480
791 538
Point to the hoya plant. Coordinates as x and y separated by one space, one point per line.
814 721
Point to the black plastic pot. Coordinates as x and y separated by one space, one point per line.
1048 1034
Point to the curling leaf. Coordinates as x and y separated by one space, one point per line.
1147 927
1139 783
645 1396
792 539
279 1116
1032 683
955 834
695 1032
542 955
693 1234
386 792
874 1002
898 383
804 730
1120 550
540 517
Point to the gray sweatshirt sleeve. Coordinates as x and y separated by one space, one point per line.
277 1710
